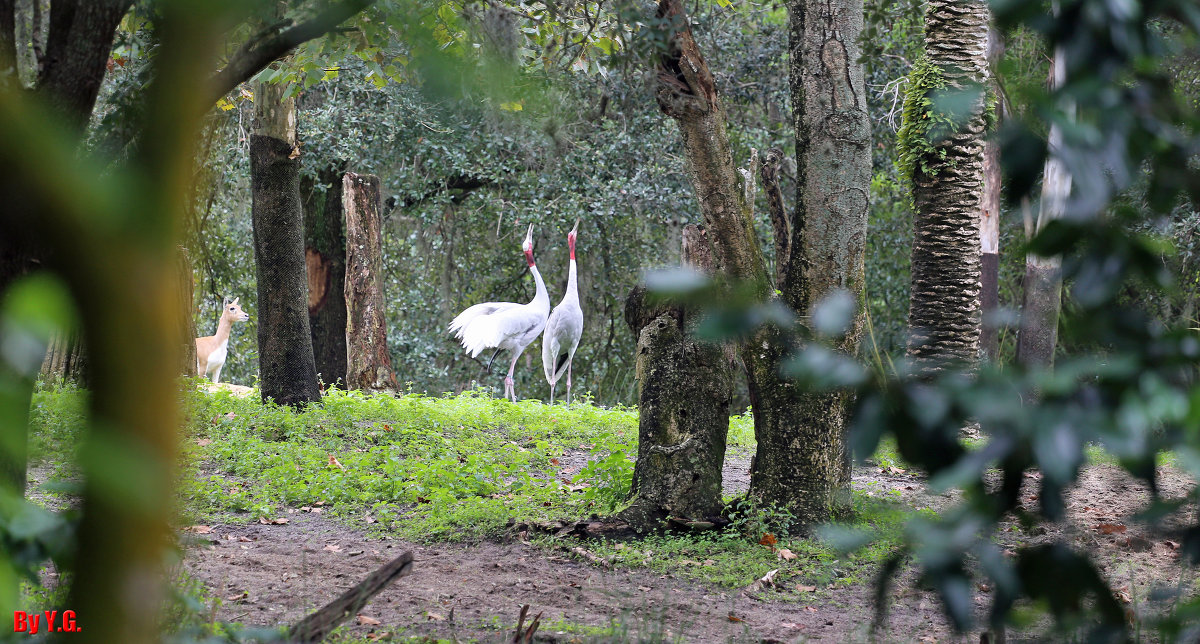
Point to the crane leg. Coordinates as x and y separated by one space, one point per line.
510 389
569 382
552 393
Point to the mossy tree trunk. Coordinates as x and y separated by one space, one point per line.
325 262
288 374
368 364
1042 304
947 175
801 465
684 391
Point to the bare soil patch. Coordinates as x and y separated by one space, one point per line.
275 574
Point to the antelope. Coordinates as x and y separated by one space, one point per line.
212 350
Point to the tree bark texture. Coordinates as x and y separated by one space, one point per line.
684 391
1042 304
368 364
287 371
66 359
325 260
989 220
802 463
944 317
77 48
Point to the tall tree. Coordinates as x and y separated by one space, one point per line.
1043 275
989 220
802 462
941 144
325 258
288 374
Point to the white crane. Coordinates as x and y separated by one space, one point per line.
505 325
563 329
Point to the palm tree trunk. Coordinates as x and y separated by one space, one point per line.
944 317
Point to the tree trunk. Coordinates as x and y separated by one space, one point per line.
66 359
684 391
989 221
944 317
186 322
325 259
368 364
1043 275
288 374
801 464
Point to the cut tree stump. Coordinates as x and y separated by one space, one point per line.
320 624
368 364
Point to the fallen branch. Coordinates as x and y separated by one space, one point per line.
526 636
592 557
320 624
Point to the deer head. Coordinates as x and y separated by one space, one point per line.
234 312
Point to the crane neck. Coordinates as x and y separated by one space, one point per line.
541 297
572 281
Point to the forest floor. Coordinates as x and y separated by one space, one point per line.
282 511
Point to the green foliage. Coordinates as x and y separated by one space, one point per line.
431 468
924 125
610 469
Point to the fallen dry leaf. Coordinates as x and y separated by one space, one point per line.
805 589
554 461
792 625
735 618
333 462
370 519
644 589
767 580
768 540
279 521
368 621
811 609
203 441
1110 528
785 554
200 529
1173 545
709 562
238 597
333 547
375 637
434 617
244 539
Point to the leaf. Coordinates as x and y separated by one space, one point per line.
238 597
512 106
735 618
435 617
203 441
333 462
805 589
766 580
332 547
368 621
266 521
768 540
1110 528
200 529
786 555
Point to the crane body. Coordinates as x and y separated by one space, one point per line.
564 328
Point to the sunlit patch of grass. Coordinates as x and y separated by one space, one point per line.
430 468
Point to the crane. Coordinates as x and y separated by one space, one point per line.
505 325
564 328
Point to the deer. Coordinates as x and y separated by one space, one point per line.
211 351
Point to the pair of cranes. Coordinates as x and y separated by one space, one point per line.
512 326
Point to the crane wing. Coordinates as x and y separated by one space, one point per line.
465 318
510 327
563 330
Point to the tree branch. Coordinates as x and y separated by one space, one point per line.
779 220
269 46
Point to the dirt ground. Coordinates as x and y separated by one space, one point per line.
275 574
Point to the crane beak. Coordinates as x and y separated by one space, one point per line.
576 228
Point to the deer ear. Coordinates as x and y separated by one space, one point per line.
235 300
224 302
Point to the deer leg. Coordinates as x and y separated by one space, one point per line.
217 375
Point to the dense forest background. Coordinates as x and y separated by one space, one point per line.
462 177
